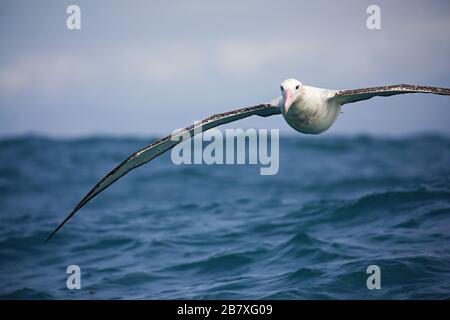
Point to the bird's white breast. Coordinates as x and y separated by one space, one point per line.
312 112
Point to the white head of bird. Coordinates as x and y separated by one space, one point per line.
290 91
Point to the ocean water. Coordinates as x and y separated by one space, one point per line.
337 205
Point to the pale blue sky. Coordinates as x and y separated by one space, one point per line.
148 67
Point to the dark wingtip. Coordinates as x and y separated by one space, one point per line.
51 235
61 225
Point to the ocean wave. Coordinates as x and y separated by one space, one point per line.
337 205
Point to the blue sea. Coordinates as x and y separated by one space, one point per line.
337 205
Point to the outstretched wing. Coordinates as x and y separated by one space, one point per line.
354 95
157 148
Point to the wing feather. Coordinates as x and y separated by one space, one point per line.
155 149
354 95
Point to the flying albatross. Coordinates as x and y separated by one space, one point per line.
306 109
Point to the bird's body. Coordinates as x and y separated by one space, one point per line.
306 109
313 112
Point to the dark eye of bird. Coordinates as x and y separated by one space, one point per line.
296 88
281 87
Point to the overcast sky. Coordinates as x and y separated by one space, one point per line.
148 67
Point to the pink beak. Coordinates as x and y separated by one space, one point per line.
288 98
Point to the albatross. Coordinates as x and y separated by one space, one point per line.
306 109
